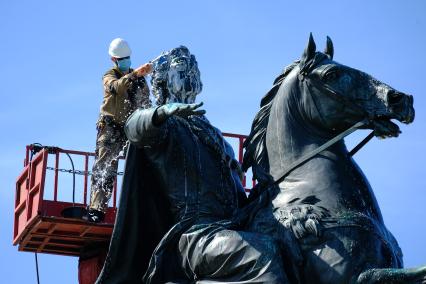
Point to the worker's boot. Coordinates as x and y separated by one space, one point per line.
95 216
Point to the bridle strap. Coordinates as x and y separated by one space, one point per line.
325 146
328 90
335 95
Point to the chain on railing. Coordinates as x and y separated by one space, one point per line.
33 149
77 172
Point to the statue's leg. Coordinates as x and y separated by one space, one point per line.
215 255
265 222
341 254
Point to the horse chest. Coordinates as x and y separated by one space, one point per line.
337 186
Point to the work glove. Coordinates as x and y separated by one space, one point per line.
143 70
179 109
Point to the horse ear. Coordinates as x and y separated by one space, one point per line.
329 49
310 49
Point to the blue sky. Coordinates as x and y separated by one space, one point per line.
55 52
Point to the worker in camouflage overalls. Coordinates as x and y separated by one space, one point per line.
125 90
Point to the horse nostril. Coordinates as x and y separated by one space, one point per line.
411 113
401 105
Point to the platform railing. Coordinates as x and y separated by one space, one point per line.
59 152
56 152
240 138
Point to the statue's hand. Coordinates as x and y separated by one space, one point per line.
178 109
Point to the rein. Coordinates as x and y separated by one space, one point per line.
325 146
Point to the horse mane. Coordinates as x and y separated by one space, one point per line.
255 145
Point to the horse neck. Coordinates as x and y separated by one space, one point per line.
290 136
329 174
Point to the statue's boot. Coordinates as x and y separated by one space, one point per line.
393 276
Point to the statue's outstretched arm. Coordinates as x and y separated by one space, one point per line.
140 128
146 126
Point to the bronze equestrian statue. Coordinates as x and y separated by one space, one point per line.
319 205
312 218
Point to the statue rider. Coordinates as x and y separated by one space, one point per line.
198 188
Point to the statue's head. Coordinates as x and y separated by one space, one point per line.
175 77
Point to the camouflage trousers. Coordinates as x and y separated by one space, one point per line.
109 143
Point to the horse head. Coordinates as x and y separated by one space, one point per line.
321 98
342 95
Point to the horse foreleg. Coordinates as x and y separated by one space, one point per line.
393 275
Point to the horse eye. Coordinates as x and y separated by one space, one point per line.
332 75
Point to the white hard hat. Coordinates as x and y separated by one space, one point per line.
119 48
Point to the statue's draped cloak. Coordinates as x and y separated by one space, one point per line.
143 218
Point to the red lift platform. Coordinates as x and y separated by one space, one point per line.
39 224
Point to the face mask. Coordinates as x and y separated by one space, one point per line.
124 64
